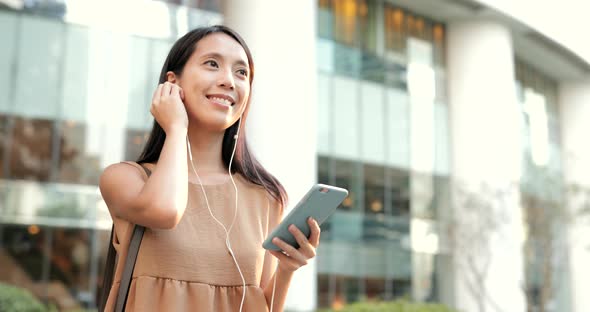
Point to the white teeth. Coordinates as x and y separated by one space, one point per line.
224 101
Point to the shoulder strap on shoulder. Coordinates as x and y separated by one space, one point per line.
132 252
136 237
107 280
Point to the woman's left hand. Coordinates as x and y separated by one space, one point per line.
291 259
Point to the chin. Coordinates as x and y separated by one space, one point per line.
213 125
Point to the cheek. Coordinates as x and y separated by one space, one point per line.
245 94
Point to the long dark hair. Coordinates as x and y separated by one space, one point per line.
244 162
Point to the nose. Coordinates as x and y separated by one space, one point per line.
227 79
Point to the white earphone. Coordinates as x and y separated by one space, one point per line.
227 231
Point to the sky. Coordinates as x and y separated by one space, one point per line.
565 21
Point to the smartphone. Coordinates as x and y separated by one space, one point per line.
319 203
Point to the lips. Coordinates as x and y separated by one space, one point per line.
222 99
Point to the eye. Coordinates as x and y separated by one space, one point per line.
212 63
243 72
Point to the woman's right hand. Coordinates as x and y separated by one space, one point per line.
168 107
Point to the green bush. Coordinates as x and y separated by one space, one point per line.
14 299
392 306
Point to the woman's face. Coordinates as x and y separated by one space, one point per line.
215 81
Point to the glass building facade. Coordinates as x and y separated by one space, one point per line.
383 134
75 90
542 190
83 103
76 81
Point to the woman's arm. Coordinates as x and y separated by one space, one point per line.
282 287
289 261
160 201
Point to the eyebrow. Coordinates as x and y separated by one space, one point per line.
219 56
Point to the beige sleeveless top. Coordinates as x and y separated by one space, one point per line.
189 268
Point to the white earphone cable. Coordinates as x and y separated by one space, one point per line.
227 231
274 285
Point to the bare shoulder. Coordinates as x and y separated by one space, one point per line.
117 171
119 184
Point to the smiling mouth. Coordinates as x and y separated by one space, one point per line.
222 100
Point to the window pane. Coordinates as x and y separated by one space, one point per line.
140 86
441 139
75 81
346 223
39 74
3 144
158 52
325 292
375 288
372 107
421 88
374 189
368 25
108 78
395 32
438 38
7 53
347 60
324 113
324 175
372 68
345 13
57 265
135 142
346 126
325 52
31 149
397 193
348 177
398 128
77 164
325 19
22 248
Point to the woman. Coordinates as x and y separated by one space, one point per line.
208 204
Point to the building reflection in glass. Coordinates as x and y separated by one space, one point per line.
382 122
75 88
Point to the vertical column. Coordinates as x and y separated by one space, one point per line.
486 226
574 114
282 122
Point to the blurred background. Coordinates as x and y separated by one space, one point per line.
458 126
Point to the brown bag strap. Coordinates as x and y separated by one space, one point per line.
136 237
132 252
109 268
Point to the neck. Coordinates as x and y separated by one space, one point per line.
206 150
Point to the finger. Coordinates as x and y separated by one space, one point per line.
314 238
166 89
285 259
290 250
175 90
181 93
281 256
304 246
157 93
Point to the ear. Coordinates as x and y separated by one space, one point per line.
171 77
